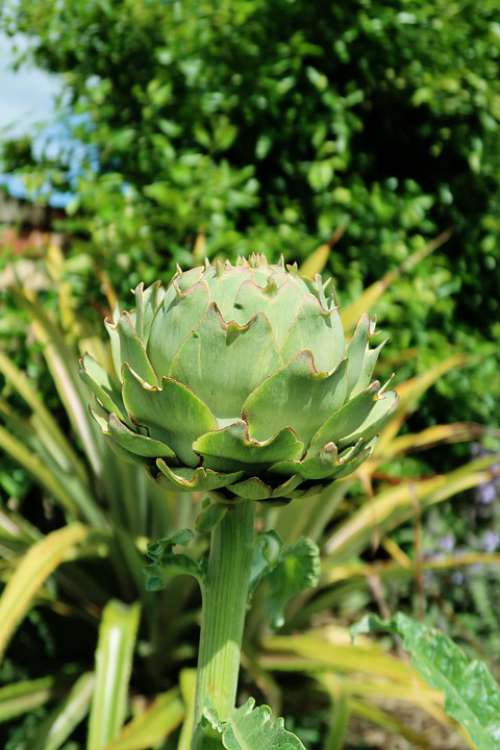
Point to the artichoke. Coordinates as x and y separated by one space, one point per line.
237 380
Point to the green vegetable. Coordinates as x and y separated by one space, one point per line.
237 379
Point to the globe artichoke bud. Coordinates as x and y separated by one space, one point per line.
237 380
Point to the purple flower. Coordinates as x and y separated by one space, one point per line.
490 541
447 542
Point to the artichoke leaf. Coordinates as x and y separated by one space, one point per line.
317 466
233 444
317 329
297 396
345 421
131 349
378 415
102 386
287 488
354 461
197 480
147 302
252 489
279 301
367 367
175 323
226 363
356 351
141 445
172 413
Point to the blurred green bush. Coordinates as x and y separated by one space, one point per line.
269 126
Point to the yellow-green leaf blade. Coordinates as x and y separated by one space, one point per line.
114 654
34 568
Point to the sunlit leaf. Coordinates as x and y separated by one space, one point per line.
250 728
32 571
115 648
472 696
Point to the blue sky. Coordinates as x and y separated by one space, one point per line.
26 101
26 96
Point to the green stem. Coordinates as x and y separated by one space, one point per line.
225 597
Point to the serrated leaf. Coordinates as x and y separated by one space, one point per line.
250 728
164 562
472 697
297 569
266 555
209 516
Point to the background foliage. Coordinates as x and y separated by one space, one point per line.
273 126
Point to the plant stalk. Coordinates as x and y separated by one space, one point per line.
225 597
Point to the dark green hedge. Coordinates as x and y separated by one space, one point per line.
268 124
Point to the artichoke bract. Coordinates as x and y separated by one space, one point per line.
237 380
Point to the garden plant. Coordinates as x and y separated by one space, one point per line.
244 494
236 381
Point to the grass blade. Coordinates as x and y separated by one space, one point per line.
21 383
34 568
352 313
63 367
395 505
114 654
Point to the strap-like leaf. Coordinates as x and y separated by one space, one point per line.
114 653
472 696
32 571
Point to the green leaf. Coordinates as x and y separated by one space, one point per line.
472 697
298 568
266 555
58 726
141 445
196 480
102 385
130 347
172 413
209 516
114 654
210 361
164 562
31 572
298 396
234 449
49 428
250 728
63 367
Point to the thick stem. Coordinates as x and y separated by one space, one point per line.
225 597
